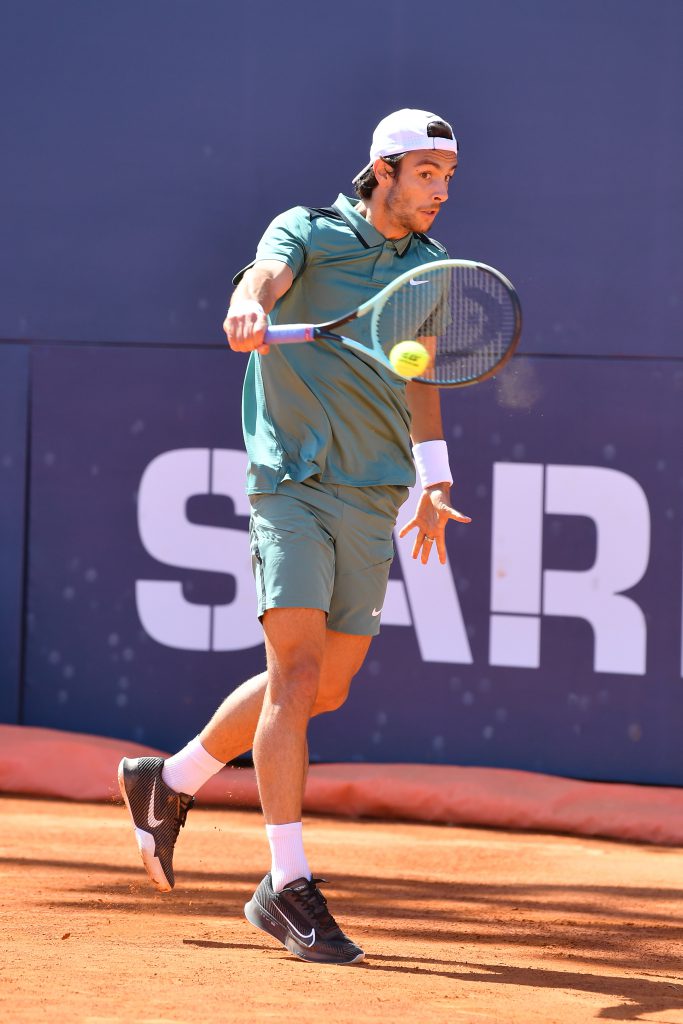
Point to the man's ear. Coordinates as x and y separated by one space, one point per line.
383 172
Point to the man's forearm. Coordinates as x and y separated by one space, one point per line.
424 402
255 287
429 449
264 283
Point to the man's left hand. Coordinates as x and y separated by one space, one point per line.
433 512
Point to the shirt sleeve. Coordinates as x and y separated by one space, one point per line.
287 239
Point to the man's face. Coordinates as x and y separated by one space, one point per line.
419 187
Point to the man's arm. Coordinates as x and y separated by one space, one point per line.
424 402
434 507
254 297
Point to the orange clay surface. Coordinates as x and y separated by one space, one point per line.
458 924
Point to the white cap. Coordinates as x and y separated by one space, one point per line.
405 131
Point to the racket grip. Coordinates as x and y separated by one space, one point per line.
285 334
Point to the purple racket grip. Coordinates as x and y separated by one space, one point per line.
286 334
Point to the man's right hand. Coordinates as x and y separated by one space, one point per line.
245 326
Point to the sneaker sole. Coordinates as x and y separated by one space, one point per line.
145 843
260 918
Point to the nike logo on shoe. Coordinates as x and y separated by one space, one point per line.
151 820
307 940
417 282
375 612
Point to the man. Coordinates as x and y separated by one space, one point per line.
328 436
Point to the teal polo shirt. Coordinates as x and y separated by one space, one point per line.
321 409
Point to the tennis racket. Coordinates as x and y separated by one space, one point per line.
466 315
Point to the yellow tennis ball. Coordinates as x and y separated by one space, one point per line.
409 358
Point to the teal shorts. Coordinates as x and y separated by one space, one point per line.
325 546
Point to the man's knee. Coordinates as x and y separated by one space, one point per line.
329 699
295 647
295 678
344 657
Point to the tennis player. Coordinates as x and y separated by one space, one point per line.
328 435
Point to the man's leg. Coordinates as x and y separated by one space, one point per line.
288 903
229 733
295 646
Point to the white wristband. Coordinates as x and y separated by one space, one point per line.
431 463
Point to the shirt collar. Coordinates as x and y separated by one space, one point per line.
363 228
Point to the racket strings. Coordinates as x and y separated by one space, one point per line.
465 316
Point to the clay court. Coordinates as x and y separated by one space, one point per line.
458 924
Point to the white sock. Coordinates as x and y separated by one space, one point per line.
288 860
190 768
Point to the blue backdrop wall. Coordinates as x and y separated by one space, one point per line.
144 148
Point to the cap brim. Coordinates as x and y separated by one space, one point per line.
361 173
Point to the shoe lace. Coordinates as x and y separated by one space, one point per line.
315 904
185 803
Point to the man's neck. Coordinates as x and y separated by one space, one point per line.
380 219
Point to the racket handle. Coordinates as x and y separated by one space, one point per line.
285 334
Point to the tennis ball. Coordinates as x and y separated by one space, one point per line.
409 358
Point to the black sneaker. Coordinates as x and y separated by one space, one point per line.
299 918
158 813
